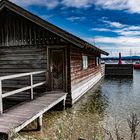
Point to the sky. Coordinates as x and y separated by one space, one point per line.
111 25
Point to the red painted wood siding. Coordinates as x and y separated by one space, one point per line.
78 74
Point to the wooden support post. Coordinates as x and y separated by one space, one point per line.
1 102
47 74
32 92
39 123
4 136
64 104
60 106
81 139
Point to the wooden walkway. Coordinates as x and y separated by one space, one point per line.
18 117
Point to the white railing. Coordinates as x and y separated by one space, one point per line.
30 87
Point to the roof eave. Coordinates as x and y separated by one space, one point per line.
46 25
88 45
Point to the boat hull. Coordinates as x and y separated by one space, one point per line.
136 66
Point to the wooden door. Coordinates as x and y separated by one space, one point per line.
57 69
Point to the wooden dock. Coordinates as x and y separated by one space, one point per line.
15 119
119 70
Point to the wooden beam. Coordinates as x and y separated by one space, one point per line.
15 91
20 75
42 111
1 102
39 84
21 89
31 83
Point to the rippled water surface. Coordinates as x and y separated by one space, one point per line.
110 103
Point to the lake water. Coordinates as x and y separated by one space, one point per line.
109 103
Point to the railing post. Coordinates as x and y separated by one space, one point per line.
1 103
31 84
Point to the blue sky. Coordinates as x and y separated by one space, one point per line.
112 25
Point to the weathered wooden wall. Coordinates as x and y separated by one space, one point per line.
78 74
16 30
23 48
19 59
23 59
83 79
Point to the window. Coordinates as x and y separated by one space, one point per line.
98 61
85 62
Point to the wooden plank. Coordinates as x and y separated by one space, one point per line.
15 119
15 91
23 58
39 84
1 101
20 75
7 94
31 83
18 59
56 101
78 74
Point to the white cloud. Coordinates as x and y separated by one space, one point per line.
127 33
120 29
114 45
128 38
112 4
101 29
74 18
109 4
54 3
114 24
48 3
132 6
78 3
119 41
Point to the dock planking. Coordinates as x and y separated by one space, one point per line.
15 119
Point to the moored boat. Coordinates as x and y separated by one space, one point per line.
136 65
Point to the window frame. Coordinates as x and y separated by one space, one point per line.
96 61
84 62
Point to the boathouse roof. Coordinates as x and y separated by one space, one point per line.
47 25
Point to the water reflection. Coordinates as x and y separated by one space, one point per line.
110 102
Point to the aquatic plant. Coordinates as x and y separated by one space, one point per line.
133 123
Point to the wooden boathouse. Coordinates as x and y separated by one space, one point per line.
41 66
